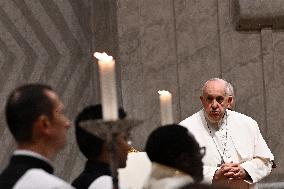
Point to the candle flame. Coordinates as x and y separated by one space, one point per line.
163 92
103 56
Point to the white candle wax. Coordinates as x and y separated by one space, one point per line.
166 107
108 86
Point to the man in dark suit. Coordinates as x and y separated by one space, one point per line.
97 173
36 119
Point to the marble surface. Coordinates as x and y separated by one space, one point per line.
242 64
274 90
46 42
257 14
148 61
198 53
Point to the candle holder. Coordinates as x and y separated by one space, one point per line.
108 131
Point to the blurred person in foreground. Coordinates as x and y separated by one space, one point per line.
176 158
97 171
35 116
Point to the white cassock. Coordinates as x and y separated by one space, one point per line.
105 182
136 172
245 145
40 179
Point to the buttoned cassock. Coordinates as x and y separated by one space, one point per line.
253 153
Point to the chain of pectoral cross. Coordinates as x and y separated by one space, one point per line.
225 143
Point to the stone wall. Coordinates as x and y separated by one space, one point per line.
178 44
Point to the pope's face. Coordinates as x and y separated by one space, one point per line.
215 100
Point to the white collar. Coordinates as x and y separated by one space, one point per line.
220 123
32 154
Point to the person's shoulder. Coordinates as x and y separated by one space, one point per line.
46 180
137 170
193 118
104 181
239 115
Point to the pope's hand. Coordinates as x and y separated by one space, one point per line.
237 173
230 171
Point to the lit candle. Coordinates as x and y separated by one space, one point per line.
108 86
166 107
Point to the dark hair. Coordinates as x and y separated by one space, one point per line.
174 146
166 143
89 144
24 105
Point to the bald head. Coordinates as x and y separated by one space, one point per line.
223 83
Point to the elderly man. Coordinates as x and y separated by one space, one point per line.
36 119
237 154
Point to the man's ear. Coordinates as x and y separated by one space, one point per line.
203 100
42 125
230 99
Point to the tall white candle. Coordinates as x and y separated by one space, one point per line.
166 107
108 86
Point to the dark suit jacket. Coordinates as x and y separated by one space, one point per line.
92 171
18 166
